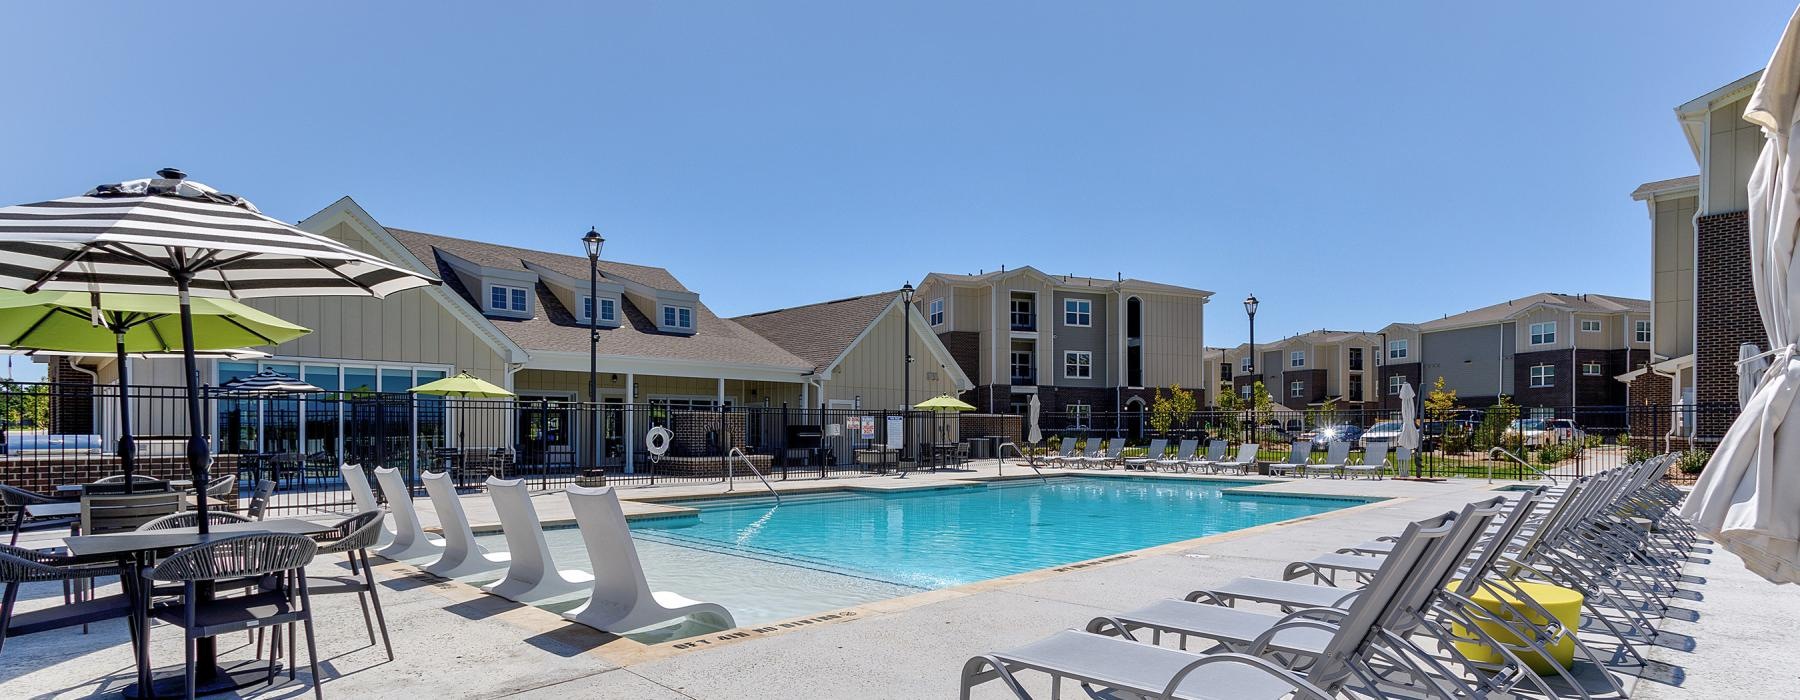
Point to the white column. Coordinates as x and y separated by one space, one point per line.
721 401
630 432
805 395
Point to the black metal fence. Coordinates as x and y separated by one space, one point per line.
62 433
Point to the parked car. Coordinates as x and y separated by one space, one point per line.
1432 431
1387 431
1537 432
1334 433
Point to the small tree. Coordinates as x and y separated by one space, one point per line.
23 406
1230 405
1440 403
1259 398
1176 404
1492 431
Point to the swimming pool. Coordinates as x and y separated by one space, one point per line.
823 551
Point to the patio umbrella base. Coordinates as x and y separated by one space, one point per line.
170 683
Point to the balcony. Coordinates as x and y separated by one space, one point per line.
1025 323
1025 379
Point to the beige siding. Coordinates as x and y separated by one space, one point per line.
874 368
968 308
1173 340
1732 147
1563 331
1673 270
1609 337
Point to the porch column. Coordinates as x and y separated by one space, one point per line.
721 401
805 395
630 432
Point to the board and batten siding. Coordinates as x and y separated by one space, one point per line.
1731 150
875 365
1173 340
1091 338
1673 262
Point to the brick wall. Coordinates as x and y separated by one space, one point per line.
965 348
1409 370
1558 394
71 409
975 425
1724 311
1313 392
1645 425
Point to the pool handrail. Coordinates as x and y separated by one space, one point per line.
1029 462
731 475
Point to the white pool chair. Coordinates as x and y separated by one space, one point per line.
1337 456
1299 455
461 555
531 575
1184 453
364 498
1154 452
1215 453
1246 459
1374 461
621 599
410 540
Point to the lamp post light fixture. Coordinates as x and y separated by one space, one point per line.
593 242
1250 304
906 301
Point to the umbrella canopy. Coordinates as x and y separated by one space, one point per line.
239 354
1751 365
81 322
265 383
1033 434
1409 420
168 235
1748 497
944 402
463 385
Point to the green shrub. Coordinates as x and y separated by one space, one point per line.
1692 461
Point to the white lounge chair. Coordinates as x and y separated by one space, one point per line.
1152 454
1337 456
1299 455
621 599
1374 460
1066 450
461 555
364 497
1215 453
410 540
1104 458
1245 461
1184 453
531 575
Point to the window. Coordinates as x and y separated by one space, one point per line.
1397 349
1081 414
678 317
1356 358
1224 371
1297 389
1078 312
1543 376
1245 390
609 310
503 298
1643 331
937 312
1394 384
1591 369
1297 358
1245 363
1589 325
1356 387
1543 333
1078 364
1021 365
1022 319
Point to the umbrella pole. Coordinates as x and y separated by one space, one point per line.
199 458
127 445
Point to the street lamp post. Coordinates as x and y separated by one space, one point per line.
593 242
906 300
1250 310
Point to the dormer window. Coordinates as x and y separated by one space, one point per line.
508 300
679 317
609 310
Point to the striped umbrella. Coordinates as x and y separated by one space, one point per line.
168 235
265 383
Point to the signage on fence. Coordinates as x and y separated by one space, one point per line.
868 427
896 432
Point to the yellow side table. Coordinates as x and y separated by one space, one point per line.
1563 603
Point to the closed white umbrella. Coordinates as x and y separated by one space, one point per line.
1748 498
1752 365
1409 420
1033 435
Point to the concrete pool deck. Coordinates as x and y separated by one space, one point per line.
454 642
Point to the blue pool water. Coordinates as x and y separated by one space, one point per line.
951 536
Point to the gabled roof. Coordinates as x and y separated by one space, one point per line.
1067 281
820 333
1674 184
1322 337
555 329
1579 303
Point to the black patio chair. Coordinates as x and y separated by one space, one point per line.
235 558
191 518
118 487
259 502
19 566
17 498
126 512
353 537
223 490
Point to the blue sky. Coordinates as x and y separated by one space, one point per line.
1351 164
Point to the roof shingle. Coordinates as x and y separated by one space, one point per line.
819 333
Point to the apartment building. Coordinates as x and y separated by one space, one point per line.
1324 366
1703 302
1245 373
1077 343
1544 350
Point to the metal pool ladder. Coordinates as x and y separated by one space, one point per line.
730 473
1016 450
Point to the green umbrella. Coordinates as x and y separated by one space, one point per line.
125 324
944 402
465 386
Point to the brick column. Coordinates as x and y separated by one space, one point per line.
1725 314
